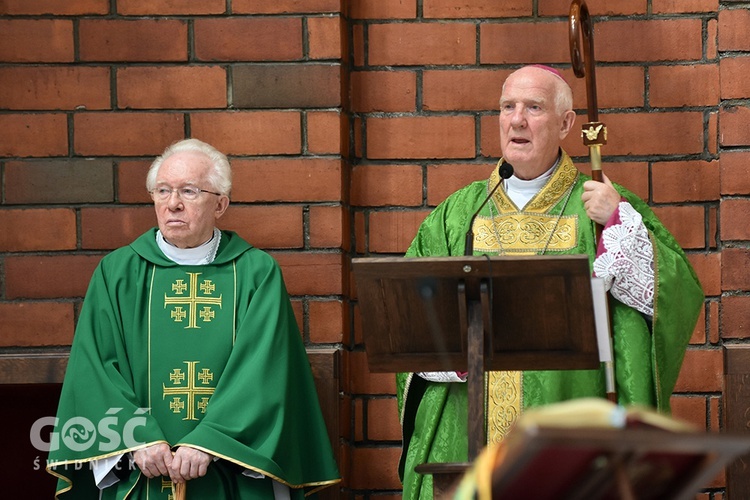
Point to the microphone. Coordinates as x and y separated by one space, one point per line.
506 170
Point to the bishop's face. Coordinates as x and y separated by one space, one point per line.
531 127
183 222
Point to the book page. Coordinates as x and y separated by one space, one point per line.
601 319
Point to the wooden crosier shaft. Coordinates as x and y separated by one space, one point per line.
580 27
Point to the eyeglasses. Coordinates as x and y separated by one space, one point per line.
187 193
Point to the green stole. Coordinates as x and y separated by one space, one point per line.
648 352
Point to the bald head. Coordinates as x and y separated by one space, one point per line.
547 75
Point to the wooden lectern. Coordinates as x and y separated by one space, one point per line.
476 314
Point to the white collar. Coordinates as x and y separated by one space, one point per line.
521 191
202 254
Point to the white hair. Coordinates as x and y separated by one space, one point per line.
563 96
220 175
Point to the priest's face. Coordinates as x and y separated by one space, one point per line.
531 125
185 222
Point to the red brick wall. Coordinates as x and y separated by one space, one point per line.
347 121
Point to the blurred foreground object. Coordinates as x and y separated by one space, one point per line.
592 448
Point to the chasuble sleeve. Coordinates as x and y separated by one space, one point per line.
99 414
443 231
431 239
678 299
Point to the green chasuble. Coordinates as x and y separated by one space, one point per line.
648 351
207 356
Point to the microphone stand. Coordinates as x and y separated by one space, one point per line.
505 171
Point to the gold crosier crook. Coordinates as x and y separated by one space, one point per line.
594 133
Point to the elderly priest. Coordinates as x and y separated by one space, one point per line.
187 371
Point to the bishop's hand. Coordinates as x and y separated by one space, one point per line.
600 200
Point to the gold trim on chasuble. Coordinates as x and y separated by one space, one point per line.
503 403
530 231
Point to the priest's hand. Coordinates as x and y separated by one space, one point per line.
154 460
600 199
188 463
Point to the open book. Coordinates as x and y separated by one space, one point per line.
599 413
595 449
